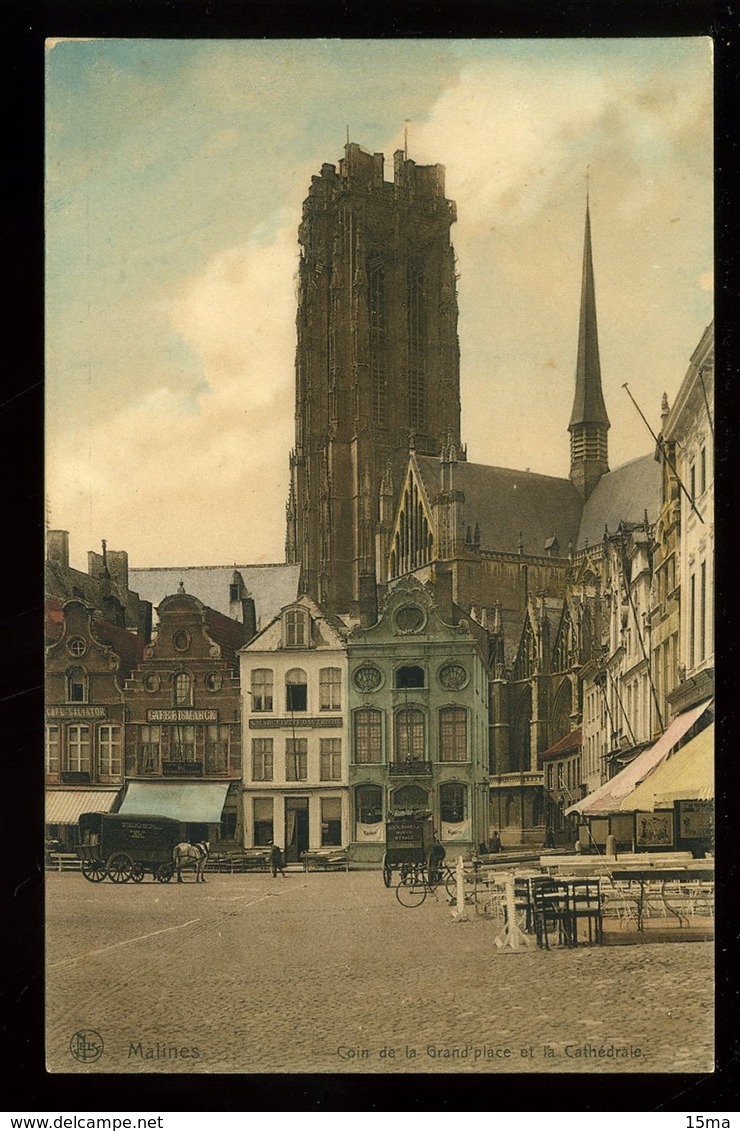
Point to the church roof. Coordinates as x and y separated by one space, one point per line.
271 586
506 503
621 495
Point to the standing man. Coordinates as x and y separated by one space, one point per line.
276 861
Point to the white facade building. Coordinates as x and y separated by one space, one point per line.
294 686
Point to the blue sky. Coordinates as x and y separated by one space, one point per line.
175 176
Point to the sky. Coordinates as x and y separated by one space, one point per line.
175 174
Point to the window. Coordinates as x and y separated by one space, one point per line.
702 610
453 798
52 748
263 820
183 743
181 640
550 776
213 681
453 734
409 724
296 634
692 619
411 676
331 821
110 750
703 470
692 481
330 689
262 689
78 748
235 592
368 735
331 759
149 745
217 748
262 759
76 646
369 804
77 686
296 759
182 689
296 691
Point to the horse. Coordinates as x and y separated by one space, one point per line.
185 855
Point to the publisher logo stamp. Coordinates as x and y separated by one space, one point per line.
86 1046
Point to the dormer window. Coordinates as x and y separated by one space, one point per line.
296 629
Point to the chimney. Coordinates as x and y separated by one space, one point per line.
442 580
57 547
368 600
249 617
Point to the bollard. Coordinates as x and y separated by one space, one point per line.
459 914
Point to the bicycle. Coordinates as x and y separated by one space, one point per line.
417 881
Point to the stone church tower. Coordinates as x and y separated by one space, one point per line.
589 423
377 358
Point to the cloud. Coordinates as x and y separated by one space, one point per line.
209 472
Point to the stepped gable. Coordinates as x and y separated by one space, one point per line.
621 495
506 503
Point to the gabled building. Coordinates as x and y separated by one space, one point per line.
418 697
294 685
88 660
183 738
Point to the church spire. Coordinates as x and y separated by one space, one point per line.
589 422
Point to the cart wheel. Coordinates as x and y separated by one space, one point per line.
120 867
164 873
411 891
137 873
451 884
93 870
387 871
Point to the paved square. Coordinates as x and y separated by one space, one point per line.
328 973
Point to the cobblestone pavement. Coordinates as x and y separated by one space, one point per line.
327 973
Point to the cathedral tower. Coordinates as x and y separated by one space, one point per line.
589 423
377 357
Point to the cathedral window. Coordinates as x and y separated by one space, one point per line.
417 336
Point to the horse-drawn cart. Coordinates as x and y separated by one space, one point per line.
124 848
409 838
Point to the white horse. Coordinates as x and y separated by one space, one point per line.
185 855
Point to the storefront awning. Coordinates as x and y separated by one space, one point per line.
608 797
64 806
200 802
686 775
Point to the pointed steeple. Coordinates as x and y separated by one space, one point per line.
589 422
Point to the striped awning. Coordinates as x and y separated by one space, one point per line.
608 797
199 802
687 775
64 806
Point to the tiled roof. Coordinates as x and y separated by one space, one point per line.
271 586
506 503
623 494
568 744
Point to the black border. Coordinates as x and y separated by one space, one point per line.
24 24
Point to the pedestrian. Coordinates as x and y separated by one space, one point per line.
438 855
495 841
276 860
550 837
